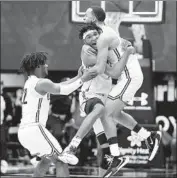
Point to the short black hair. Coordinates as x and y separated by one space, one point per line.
87 27
99 13
32 61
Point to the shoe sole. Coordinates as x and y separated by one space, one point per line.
69 159
119 167
156 147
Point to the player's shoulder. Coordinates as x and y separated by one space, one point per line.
87 49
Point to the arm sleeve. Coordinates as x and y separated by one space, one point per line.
69 88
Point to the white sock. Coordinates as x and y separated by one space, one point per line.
144 133
76 141
114 149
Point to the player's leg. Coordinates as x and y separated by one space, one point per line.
152 139
62 169
104 147
94 108
42 167
117 161
87 125
39 141
32 139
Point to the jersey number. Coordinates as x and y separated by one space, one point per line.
24 96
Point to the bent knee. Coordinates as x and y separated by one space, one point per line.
99 109
94 104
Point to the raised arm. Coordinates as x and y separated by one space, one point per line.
116 71
102 55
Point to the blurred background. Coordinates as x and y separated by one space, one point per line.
53 27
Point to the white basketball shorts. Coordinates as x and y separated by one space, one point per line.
126 87
38 140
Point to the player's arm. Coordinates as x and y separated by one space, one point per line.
102 55
47 86
116 71
88 54
125 43
80 73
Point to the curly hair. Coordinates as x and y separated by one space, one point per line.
32 61
87 27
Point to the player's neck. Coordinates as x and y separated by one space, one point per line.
34 74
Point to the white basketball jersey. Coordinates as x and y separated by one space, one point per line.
35 107
132 68
102 83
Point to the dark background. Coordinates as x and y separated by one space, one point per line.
46 26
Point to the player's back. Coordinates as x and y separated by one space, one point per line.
35 107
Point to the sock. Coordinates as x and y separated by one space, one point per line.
144 133
101 137
76 141
103 143
113 145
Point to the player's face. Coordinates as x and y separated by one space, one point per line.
44 70
89 17
45 67
92 37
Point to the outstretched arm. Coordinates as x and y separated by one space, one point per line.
80 73
47 86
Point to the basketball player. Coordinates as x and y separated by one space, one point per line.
94 92
121 94
32 133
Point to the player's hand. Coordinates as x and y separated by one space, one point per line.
80 71
88 75
125 44
131 50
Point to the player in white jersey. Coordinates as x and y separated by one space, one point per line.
32 133
128 83
94 92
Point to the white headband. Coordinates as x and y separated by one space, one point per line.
87 33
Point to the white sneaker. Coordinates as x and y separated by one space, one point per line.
34 161
68 158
